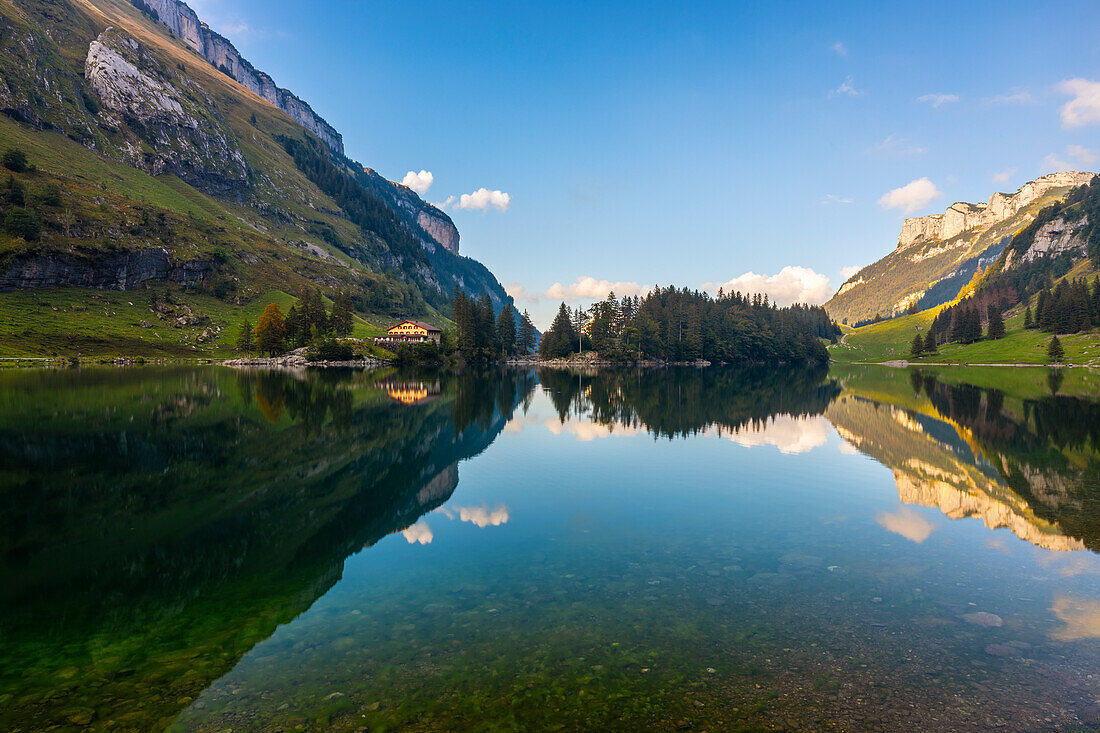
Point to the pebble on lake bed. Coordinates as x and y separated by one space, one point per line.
983 619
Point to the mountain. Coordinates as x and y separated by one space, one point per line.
936 256
157 155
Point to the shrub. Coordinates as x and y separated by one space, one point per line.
49 194
15 160
329 349
22 223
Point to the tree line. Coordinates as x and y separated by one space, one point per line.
482 336
307 323
673 324
1068 307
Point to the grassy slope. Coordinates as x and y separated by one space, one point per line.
889 340
264 252
64 322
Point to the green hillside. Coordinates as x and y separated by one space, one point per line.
221 214
890 340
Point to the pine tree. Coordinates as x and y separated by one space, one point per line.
996 322
271 331
527 333
506 331
917 346
1055 352
246 337
1028 323
560 339
341 318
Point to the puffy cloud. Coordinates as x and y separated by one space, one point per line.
911 197
418 533
847 272
792 284
482 516
419 182
840 49
482 200
590 288
1004 176
908 523
789 434
938 100
847 88
1084 108
518 292
1086 156
585 431
1080 616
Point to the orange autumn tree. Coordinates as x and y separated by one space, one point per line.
271 331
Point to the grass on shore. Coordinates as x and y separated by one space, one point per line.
66 321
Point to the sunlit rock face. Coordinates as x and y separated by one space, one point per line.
945 475
183 22
962 216
172 116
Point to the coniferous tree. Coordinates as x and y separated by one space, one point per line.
246 337
1055 352
527 334
917 347
341 318
996 322
506 331
559 340
1028 322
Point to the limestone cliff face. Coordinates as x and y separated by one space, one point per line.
936 256
174 118
216 49
122 271
430 224
962 216
1054 238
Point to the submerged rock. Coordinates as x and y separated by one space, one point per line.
983 619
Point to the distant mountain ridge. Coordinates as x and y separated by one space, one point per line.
223 55
937 255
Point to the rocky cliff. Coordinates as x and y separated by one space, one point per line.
185 24
175 118
431 225
962 216
936 256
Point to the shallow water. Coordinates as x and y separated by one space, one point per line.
200 549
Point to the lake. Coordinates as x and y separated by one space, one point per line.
717 549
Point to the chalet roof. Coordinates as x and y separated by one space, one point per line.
425 326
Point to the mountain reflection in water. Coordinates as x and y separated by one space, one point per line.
161 523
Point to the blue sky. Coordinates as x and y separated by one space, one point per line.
689 143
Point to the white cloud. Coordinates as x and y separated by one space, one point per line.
847 272
1086 156
832 198
1084 108
591 288
419 182
1053 164
1014 97
846 88
792 284
482 516
481 200
789 434
911 197
1004 176
418 533
938 100
840 49
896 147
908 523
518 292
584 431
